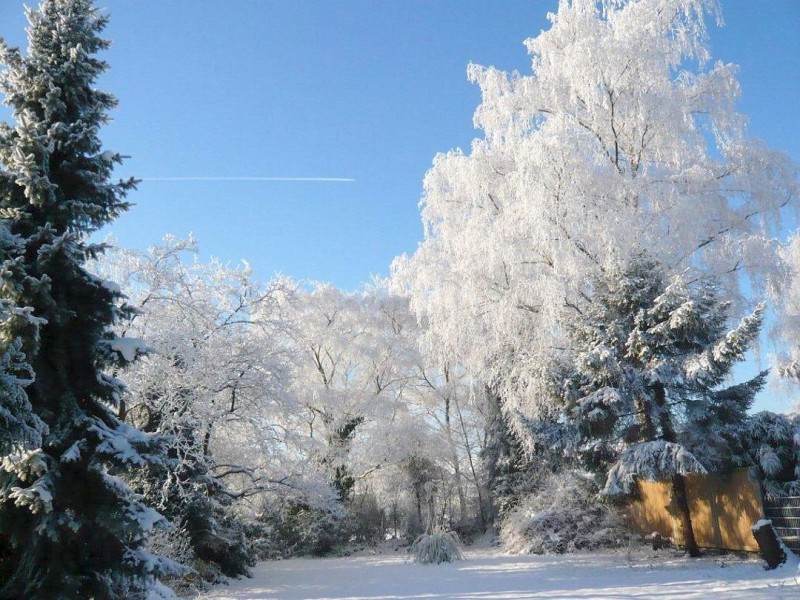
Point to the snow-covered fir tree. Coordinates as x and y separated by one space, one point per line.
20 427
640 388
770 442
510 471
69 526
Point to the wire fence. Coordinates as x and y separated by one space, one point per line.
785 516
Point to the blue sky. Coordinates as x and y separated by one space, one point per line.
354 89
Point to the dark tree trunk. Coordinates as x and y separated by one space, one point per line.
419 507
682 504
678 481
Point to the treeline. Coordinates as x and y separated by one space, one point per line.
311 414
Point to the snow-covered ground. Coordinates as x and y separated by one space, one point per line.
488 574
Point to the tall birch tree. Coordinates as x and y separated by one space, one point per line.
624 137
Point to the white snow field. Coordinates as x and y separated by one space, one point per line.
489 574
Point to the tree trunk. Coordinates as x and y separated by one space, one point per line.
462 499
769 545
668 434
682 504
207 441
647 429
476 481
495 429
431 513
419 508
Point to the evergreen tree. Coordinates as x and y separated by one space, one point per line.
69 528
643 396
770 443
186 492
509 471
20 427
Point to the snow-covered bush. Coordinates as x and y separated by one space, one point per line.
299 529
563 515
366 518
513 484
436 548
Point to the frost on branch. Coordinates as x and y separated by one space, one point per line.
580 166
208 387
20 427
770 443
30 469
126 446
710 367
600 407
128 348
651 461
785 293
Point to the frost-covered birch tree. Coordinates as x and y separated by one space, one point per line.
69 526
452 405
214 383
349 375
624 137
786 296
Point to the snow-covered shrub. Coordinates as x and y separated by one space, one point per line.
297 529
436 548
366 518
322 532
563 515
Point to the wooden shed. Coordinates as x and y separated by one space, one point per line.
723 506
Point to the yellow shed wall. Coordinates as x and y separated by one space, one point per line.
723 508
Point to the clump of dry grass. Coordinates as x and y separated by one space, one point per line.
436 548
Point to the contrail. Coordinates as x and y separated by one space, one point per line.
307 179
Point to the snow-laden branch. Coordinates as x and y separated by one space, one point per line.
651 461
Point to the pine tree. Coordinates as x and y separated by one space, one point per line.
643 396
187 493
20 427
69 528
770 443
509 472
